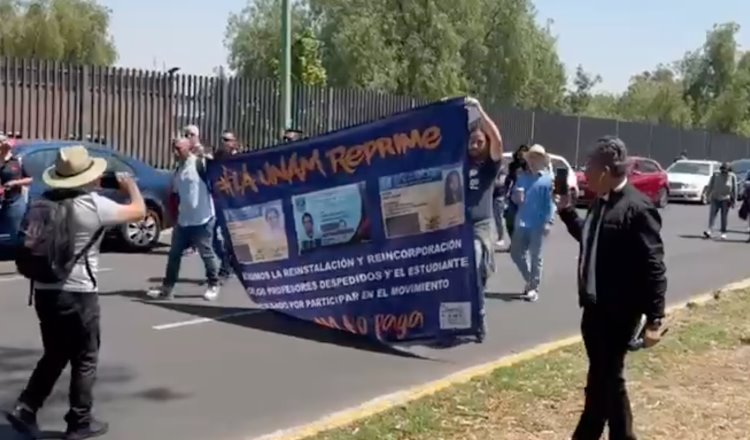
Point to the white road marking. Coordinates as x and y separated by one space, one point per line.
21 277
204 320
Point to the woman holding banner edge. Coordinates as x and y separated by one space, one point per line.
485 155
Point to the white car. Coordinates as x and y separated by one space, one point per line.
688 179
555 163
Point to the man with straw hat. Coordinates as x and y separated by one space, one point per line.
68 308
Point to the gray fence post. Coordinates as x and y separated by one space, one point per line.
224 89
617 127
533 126
651 141
83 86
578 137
706 145
329 123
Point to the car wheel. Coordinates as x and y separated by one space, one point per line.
663 198
142 235
704 197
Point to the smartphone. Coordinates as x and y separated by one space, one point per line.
109 181
561 181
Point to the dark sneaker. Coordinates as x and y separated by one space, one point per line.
93 429
23 421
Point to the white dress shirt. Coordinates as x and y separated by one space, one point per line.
591 275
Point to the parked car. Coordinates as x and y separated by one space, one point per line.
153 183
741 167
644 174
688 179
555 163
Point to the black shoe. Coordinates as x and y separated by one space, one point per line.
93 429
23 421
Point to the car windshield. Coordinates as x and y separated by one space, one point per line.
740 166
700 168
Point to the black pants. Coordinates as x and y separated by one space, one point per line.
69 323
606 334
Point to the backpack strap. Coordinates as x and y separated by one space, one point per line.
84 253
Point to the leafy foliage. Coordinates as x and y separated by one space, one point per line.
72 31
427 48
493 49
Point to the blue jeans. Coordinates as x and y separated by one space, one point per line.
222 252
526 253
485 261
499 213
11 215
718 207
200 237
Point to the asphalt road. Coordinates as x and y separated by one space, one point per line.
168 371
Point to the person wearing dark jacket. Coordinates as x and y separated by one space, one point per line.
515 167
621 277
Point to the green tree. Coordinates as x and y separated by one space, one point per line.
253 38
73 31
428 48
579 99
656 97
708 71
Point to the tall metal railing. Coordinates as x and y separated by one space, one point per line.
137 112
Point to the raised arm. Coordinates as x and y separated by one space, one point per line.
490 128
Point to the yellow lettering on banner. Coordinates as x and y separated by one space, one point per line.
348 159
341 159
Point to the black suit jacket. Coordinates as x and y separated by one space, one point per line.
630 270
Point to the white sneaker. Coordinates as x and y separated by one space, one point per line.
706 234
531 295
160 293
500 244
212 293
723 237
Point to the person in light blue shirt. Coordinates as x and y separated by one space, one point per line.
195 223
533 195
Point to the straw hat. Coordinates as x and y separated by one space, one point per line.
536 149
74 168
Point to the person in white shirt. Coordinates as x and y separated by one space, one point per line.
195 223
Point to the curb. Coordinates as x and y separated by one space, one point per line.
384 403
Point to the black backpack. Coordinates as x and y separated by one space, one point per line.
46 250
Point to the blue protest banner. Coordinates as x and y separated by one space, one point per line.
364 229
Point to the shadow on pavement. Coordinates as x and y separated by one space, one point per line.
270 321
16 365
701 237
693 236
195 281
504 296
114 247
7 433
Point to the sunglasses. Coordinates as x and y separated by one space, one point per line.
227 139
189 135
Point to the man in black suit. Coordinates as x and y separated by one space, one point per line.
621 277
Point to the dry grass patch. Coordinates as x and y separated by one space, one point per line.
694 386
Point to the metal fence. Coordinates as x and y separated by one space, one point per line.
137 112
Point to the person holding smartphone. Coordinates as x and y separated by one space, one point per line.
621 276
68 310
